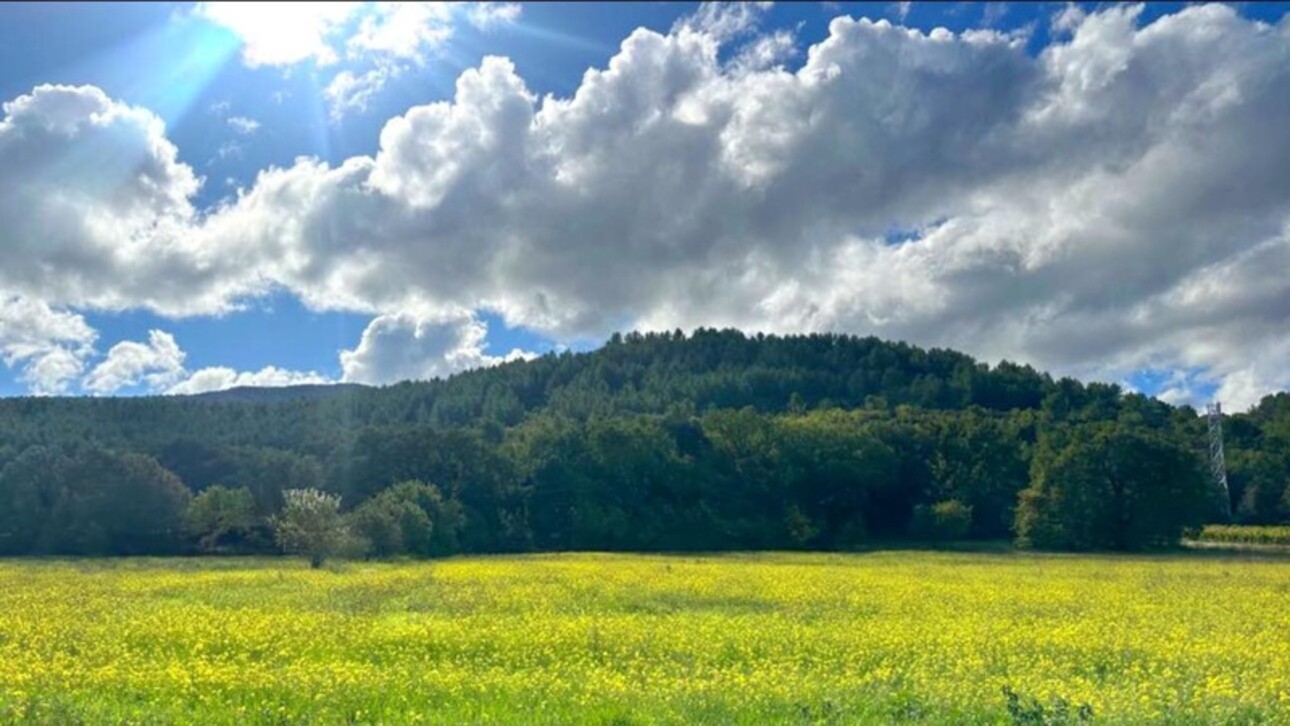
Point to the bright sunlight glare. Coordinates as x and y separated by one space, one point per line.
282 33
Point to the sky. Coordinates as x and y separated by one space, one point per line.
200 196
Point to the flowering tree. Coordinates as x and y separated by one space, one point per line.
311 525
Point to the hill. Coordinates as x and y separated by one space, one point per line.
633 374
656 441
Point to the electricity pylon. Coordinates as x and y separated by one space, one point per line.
1217 463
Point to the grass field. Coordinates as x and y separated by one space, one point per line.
778 638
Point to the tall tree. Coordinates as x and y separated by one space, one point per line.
1113 488
89 501
218 514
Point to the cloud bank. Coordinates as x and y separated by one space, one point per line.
1119 202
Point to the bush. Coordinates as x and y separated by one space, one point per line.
388 525
412 518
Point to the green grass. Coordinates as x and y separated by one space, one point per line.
878 638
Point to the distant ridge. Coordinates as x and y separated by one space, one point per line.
275 394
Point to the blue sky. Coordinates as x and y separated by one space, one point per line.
475 249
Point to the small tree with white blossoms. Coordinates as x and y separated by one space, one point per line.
311 525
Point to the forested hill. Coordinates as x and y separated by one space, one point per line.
633 374
649 373
655 441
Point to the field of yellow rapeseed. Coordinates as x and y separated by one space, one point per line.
780 638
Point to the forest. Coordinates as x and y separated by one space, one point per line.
654 442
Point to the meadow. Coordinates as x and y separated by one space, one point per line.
594 638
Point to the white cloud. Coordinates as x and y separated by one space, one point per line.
1068 18
380 40
393 38
410 346
159 363
723 21
220 378
1110 205
401 30
48 346
490 15
1057 192
159 366
349 93
243 125
766 52
95 209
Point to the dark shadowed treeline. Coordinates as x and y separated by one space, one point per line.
717 440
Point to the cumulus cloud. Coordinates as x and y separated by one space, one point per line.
157 363
409 346
525 207
95 209
1066 200
48 347
219 378
1107 206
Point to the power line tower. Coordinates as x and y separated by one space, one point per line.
1217 463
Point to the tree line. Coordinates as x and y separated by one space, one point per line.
660 442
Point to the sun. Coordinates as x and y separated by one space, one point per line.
282 33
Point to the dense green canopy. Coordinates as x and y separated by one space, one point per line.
716 440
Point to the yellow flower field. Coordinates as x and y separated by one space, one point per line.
780 638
